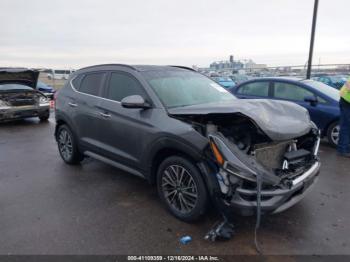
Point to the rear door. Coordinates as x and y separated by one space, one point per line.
254 90
121 129
85 104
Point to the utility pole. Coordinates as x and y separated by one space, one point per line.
311 49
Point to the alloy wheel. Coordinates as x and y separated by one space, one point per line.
65 144
335 134
179 189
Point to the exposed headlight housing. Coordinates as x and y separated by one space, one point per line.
235 167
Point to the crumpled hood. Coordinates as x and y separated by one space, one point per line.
19 75
280 120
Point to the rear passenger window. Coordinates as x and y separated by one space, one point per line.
92 84
122 85
255 89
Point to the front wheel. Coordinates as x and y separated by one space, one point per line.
45 116
333 134
181 188
67 145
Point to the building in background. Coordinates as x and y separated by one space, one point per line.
226 65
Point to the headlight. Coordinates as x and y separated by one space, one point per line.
4 104
43 100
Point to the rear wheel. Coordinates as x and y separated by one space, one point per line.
67 145
181 188
333 134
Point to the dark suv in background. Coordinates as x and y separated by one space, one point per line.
185 133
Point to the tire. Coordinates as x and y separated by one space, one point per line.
67 146
189 199
333 133
44 117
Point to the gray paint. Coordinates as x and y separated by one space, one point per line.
278 119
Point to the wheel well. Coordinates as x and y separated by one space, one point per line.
325 131
161 155
59 123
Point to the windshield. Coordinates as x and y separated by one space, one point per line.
325 89
177 88
9 87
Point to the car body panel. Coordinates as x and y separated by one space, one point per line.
279 120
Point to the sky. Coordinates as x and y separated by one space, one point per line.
78 33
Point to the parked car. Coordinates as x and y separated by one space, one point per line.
321 101
224 81
59 74
188 135
239 78
336 81
49 91
19 97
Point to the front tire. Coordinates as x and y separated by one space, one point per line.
67 146
333 134
45 117
181 188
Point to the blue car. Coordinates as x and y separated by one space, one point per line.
320 100
225 82
336 81
46 89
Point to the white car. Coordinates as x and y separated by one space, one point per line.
59 74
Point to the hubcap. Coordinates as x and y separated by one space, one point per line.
335 134
65 144
179 189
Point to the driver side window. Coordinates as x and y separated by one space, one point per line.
122 85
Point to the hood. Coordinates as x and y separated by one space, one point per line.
280 120
19 76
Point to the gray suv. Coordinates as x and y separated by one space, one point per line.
183 132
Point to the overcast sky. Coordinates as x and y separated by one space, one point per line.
74 33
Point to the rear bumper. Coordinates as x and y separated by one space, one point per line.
19 112
275 200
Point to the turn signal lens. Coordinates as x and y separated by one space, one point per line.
217 153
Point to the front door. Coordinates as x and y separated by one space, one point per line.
121 129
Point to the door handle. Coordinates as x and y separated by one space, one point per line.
105 115
72 104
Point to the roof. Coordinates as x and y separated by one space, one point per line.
139 68
289 78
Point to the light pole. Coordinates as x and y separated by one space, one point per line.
311 49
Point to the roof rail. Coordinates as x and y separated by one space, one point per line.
183 67
129 66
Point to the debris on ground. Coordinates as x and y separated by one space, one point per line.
185 240
220 231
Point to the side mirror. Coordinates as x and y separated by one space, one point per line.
134 101
311 99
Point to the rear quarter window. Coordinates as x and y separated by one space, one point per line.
92 84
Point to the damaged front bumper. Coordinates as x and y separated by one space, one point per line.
238 175
18 112
274 200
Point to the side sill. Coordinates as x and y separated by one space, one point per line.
114 163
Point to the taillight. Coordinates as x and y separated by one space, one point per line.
55 95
